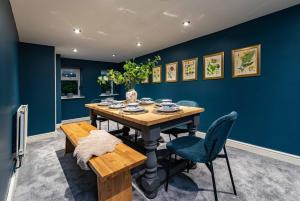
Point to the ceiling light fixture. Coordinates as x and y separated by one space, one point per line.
75 50
77 30
139 44
186 23
113 55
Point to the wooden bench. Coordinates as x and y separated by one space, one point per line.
112 169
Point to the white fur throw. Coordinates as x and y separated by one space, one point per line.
97 143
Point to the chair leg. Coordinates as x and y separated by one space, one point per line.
188 166
213 180
170 137
118 127
230 173
107 125
99 125
168 173
136 136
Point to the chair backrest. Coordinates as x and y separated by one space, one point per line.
218 133
158 100
187 103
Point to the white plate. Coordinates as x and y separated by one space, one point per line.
146 102
133 109
171 109
116 106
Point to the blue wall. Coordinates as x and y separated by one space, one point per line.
268 105
37 86
9 98
58 89
90 70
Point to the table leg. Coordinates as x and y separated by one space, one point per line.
192 127
93 118
150 181
69 147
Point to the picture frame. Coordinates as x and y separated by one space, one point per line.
213 66
190 69
156 74
171 72
246 61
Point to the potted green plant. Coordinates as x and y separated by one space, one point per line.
134 73
69 88
104 83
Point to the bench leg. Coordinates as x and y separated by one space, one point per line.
69 146
116 188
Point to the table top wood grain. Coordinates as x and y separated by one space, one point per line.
148 118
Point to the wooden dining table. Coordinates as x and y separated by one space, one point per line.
150 123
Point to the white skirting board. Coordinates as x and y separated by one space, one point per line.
72 120
41 136
282 156
12 186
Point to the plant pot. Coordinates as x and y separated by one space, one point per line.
131 96
70 95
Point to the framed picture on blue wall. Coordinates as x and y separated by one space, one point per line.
156 74
171 72
246 61
213 66
189 69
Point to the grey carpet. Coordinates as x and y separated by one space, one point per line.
49 175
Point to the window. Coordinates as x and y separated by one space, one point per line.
70 83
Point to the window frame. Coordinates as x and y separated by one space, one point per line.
77 71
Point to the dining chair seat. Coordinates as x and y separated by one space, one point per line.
190 148
101 119
195 149
177 130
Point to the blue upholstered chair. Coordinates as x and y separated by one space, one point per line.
195 149
180 129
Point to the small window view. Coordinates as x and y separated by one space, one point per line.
70 83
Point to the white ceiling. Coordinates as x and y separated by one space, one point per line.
115 26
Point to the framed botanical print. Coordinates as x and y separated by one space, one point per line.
189 69
171 72
156 74
246 61
213 66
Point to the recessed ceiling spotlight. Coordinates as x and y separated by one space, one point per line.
113 55
75 50
77 30
186 23
139 44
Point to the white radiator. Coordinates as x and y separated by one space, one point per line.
22 130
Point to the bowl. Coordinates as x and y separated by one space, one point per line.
168 105
146 99
133 105
166 100
117 102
